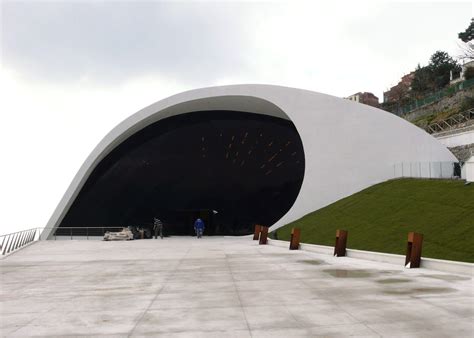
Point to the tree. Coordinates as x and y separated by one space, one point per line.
467 46
436 75
423 81
468 34
441 64
467 51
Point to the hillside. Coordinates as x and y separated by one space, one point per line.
379 218
442 108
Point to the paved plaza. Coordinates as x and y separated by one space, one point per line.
222 287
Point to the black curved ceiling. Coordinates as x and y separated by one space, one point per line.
246 167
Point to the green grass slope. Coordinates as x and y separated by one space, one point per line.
380 217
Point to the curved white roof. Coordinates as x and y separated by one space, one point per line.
348 146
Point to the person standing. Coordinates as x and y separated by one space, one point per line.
199 227
158 227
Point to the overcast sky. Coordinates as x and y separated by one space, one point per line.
72 70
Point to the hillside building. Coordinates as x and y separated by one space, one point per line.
365 98
459 77
401 90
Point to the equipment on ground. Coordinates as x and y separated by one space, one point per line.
124 235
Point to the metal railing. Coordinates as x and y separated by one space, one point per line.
452 122
80 232
433 97
16 240
443 170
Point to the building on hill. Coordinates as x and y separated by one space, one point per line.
454 78
401 90
365 98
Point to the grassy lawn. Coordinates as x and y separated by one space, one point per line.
380 217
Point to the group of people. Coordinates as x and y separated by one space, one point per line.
199 227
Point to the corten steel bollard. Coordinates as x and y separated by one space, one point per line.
413 256
341 241
263 235
295 239
256 233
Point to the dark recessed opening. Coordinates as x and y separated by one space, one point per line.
233 169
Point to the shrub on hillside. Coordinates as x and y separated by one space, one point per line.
469 73
467 103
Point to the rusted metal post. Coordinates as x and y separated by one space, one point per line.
256 233
295 239
263 235
414 244
341 242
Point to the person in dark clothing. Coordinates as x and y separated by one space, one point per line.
158 227
199 227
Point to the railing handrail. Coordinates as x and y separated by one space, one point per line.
436 127
94 227
13 241
16 232
428 169
432 97
16 240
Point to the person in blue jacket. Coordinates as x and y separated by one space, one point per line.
199 227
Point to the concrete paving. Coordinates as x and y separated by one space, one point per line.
222 287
